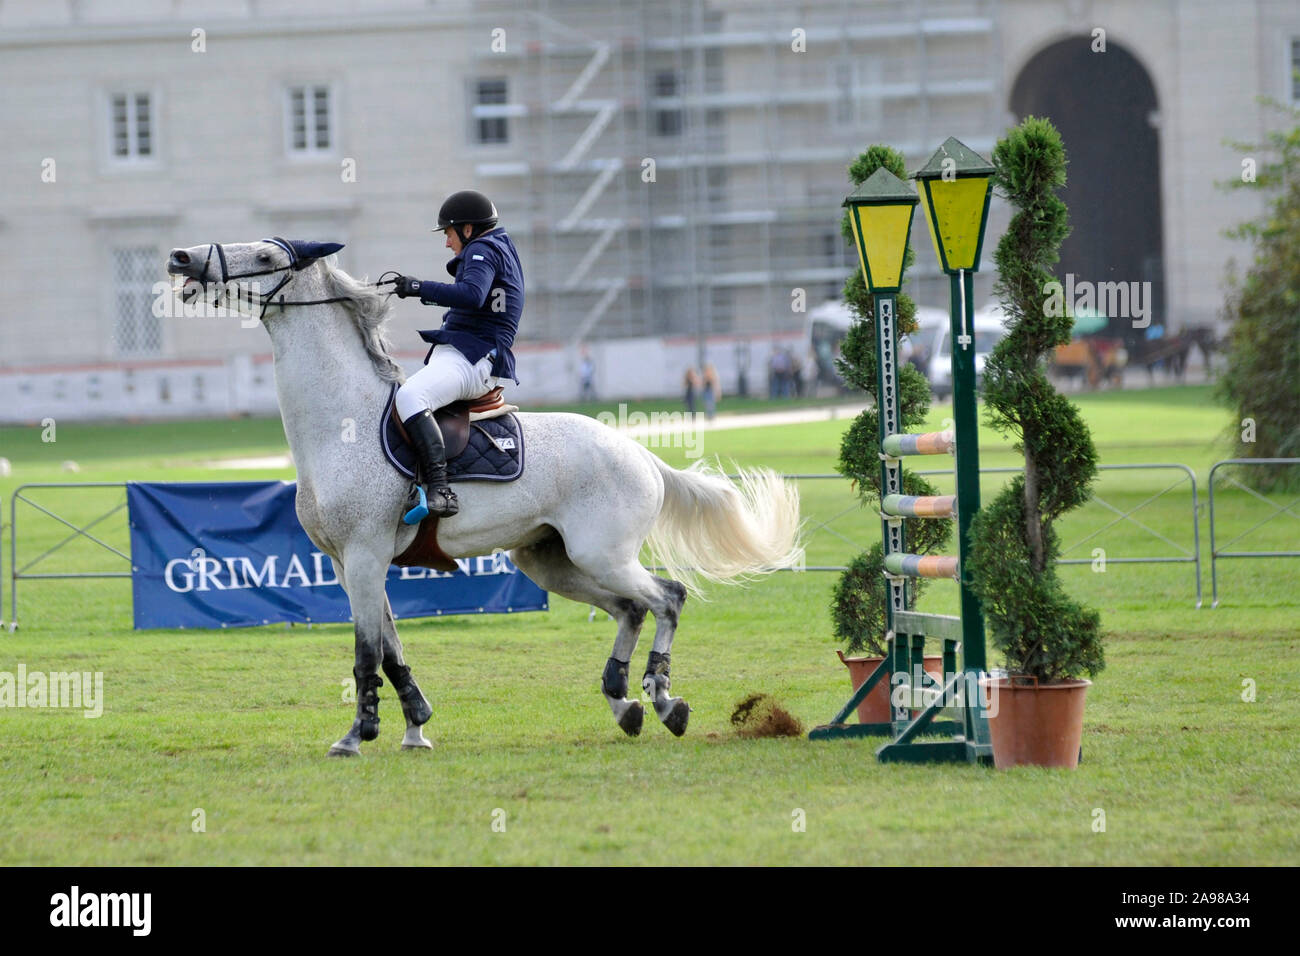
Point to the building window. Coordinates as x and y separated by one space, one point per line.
714 77
722 310
132 124
717 183
844 111
136 330
667 122
308 119
491 129
855 103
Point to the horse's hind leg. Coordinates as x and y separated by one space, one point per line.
415 707
613 682
549 566
673 711
665 599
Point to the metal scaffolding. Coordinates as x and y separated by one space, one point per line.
675 167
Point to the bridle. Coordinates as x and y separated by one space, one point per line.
295 266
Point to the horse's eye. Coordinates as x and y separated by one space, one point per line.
264 257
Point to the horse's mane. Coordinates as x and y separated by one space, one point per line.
370 308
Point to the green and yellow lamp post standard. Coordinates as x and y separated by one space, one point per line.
880 213
954 192
955 189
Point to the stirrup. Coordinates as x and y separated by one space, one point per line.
420 511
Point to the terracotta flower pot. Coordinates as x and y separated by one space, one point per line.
1035 725
874 709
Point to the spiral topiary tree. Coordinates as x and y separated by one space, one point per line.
859 601
1012 562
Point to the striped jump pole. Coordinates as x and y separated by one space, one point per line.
927 443
922 565
920 506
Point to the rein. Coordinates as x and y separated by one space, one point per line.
291 269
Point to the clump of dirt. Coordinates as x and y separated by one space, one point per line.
761 715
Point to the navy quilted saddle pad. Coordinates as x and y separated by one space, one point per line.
495 451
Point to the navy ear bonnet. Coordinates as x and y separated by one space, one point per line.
302 252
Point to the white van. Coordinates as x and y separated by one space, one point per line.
918 347
828 323
990 327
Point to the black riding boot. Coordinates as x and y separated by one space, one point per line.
431 459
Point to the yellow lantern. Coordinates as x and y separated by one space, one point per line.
955 191
880 212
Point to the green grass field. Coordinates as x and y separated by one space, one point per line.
236 723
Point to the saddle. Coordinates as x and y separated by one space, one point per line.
454 421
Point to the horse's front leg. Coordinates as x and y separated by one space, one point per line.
364 578
415 707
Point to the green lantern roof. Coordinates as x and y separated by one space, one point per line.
967 161
882 187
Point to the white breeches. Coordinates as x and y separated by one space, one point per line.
449 377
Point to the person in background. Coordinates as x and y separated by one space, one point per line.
692 382
712 390
587 377
779 374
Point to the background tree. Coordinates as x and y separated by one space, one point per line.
859 600
1261 380
1012 561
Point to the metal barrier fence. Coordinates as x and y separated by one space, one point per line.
1215 553
24 572
1185 556
17 573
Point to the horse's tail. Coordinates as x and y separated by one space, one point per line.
714 529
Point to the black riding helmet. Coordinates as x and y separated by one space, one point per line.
467 207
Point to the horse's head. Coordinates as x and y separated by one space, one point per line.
253 279
272 263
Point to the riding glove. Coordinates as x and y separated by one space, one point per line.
406 285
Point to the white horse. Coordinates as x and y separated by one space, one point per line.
574 522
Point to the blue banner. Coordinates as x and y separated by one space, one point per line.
232 554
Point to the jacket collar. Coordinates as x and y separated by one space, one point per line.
454 262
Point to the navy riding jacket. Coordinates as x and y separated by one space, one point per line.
479 317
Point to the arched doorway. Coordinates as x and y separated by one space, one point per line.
1104 105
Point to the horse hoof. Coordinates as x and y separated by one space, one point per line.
415 740
677 717
632 719
341 749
